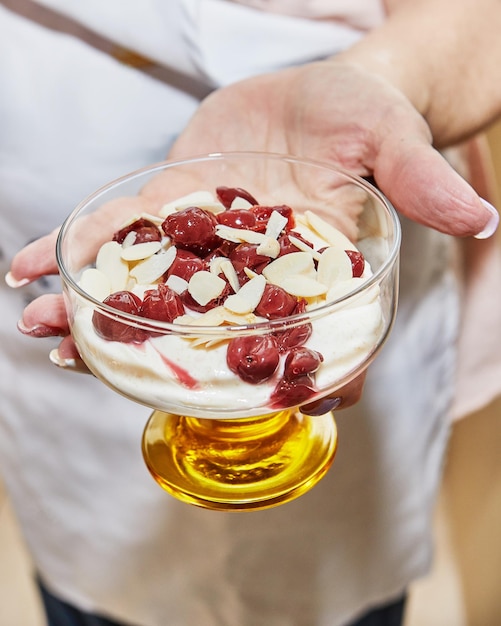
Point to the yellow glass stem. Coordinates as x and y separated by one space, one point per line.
239 464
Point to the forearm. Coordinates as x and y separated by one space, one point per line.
444 56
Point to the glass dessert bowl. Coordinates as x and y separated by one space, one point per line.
226 291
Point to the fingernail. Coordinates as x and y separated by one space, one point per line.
39 331
75 365
491 226
14 282
321 407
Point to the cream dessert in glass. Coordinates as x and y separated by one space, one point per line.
225 291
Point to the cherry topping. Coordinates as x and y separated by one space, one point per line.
186 264
162 304
245 255
254 358
192 229
293 337
357 262
114 330
276 302
237 218
262 215
292 392
145 231
190 302
300 361
226 195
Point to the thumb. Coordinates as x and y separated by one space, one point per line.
422 185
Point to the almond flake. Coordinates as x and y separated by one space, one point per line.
231 274
240 203
269 247
250 273
176 283
153 267
212 317
109 261
197 198
332 235
204 287
302 286
276 223
294 263
239 235
202 199
334 265
95 283
304 247
141 251
248 296
129 240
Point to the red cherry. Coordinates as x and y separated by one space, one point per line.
192 229
293 337
245 255
226 195
301 361
186 264
162 304
113 330
262 215
144 229
237 218
286 245
192 304
290 393
276 302
254 359
357 262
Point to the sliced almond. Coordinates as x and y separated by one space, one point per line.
95 283
241 203
304 247
176 283
212 317
276 223
295 263
109 261
334 265
197 198
250 273
141 251
302 286
239 235
150 270
129 240
326 231
231 274
204 287
269 247
248 296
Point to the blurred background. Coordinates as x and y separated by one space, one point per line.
464 587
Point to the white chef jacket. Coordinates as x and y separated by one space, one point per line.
102 533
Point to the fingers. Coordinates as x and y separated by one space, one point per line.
45 317
66 356
420 183
33 261
346 396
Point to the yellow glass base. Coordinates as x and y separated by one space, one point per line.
239 464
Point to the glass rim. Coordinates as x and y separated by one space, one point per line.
251 328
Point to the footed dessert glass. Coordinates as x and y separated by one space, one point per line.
251 339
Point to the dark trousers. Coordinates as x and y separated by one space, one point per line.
60 613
